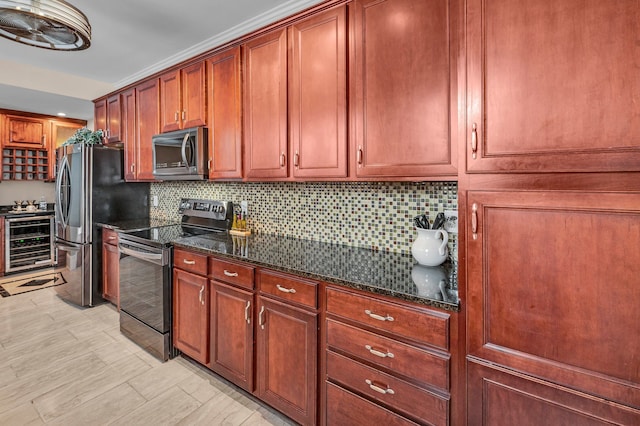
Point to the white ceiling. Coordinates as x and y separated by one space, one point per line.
131 39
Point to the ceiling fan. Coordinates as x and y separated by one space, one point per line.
49 24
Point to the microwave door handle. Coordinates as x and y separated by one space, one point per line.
185 140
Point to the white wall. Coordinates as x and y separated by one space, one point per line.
13 190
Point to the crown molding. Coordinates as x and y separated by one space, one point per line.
246 27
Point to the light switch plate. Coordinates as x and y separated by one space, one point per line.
451 221
155 201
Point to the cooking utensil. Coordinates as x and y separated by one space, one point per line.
439 221
421 221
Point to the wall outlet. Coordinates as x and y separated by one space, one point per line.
244 206
451 221
155 201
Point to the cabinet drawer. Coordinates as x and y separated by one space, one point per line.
109 236
345 408
232 273
289 288
189 261
422 325
386 389
398 357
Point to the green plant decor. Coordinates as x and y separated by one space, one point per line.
86 136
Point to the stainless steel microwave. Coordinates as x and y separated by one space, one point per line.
181 155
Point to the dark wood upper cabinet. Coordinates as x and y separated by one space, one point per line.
402 87
129 134
28 132
182 98
108 118
318 95
552 287
147 125
265 106
114 119
224 92
553 86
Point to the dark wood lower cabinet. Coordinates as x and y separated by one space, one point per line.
346 408
191 315
231 353
286 359
500 397
110 267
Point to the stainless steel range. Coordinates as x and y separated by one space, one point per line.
146 272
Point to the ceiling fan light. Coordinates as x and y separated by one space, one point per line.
49 24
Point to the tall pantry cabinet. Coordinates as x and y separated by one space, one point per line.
550 195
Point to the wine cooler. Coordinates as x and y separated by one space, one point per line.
29 242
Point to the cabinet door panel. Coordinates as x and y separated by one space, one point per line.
100 115
129 133
553 287
553 86
265 106
111 273
25 131
401 87
225 115
148 124
231 351
286 359
501 398
193 96
114 117
191 315
318 95
170 108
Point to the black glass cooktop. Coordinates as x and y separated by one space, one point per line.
164 235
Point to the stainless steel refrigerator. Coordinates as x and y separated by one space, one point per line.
90 189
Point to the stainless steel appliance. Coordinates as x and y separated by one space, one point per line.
146 272
29 241
181 155
90 189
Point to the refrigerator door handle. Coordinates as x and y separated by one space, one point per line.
64 165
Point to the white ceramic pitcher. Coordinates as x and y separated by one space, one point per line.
430 247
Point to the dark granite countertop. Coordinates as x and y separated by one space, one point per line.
381 272
135 224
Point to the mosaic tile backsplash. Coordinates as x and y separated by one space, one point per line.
374 215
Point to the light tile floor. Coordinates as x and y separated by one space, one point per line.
64 365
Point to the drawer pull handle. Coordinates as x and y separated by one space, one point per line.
260 318
189 262
246 312
112 237
200 295
230 274
378 353
378 389
378 317
285 290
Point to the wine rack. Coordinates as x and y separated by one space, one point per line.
25 164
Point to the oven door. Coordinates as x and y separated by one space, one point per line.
145 284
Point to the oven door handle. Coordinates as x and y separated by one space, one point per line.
152 257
